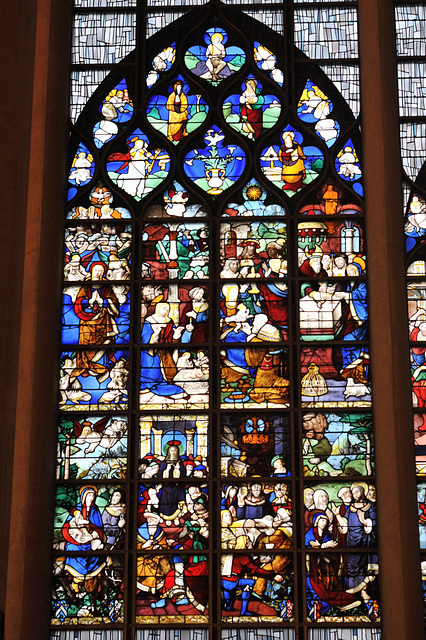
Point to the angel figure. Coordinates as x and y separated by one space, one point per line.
98 434
81 168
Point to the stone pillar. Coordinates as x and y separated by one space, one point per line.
145 437
158 434
394 441
35 44
190 433
349 239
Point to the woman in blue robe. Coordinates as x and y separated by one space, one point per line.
83 531
324 587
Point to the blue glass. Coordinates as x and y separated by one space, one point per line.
82 169
251 112
89 308
415 225
116 108
178 378
177 203
215 62
314 108
94 379
334 376
139 170
216 167
291 166
254 197
178 114
161 63
254 377
348 165
267 61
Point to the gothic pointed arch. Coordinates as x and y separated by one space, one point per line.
215 389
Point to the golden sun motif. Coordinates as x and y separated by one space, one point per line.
254 192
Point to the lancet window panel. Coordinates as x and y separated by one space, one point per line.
411 87
101 4
245 2
412 137
416 279
83 84
273 20
410 22
327 32
346 80
159 20
102 38
215 455
409 26
169 3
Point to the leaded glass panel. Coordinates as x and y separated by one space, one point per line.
215 393
159 20
326 33
83 84
411 88
102 38
410 25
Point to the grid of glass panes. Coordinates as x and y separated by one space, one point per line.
410 22
203 345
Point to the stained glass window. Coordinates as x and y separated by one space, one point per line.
410 26
215 454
